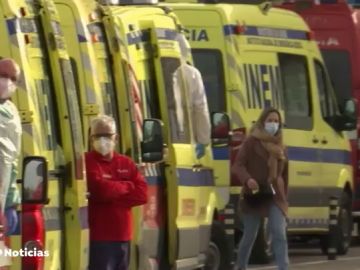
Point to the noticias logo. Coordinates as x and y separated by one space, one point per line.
24 253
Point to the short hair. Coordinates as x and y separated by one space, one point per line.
17 67
103 120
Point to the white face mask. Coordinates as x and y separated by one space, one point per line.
271 127
104 145
7 88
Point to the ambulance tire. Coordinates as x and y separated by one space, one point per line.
344 229
219 254
261 251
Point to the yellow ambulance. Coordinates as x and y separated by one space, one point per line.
255 56
179 220
55 219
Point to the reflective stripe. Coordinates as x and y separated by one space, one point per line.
187 177
230 29
334 203
83 215
12 26
167 34
220 153
229 221
333 222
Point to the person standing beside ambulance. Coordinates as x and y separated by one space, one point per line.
10 143
115 186
199 110
10 138
262 167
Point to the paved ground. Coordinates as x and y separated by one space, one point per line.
309 257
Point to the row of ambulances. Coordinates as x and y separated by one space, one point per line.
83 58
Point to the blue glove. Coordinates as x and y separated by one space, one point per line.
200 150
11 220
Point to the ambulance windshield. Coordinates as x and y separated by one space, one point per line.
176 100
209 63
339 68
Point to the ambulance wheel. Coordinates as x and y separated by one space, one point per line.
261 252
344 228
218 254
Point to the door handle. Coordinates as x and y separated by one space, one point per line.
315 140
66 208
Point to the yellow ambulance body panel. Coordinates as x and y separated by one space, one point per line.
74 21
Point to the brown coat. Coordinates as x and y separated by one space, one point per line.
252 162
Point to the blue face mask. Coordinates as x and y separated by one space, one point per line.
271 127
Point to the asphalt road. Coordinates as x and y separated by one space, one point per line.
309 257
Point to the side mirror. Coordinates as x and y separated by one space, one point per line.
220 128
35 180
347 121
152 146
350 108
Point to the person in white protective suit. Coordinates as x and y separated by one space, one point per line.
196 94
10 138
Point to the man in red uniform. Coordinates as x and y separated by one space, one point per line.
115 186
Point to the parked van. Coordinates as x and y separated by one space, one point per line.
252 57
336 30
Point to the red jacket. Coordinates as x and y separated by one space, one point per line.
115 186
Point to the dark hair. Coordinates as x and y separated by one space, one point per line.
265 113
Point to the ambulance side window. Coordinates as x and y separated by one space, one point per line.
327 97
176 100
74 68
210 65
296 91
74 113
152 107
49 114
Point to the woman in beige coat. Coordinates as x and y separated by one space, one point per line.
261 166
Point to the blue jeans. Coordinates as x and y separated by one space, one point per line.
277 230
108 255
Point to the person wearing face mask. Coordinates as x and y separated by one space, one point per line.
115 186
10 138
261 165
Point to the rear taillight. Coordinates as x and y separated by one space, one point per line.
33 234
